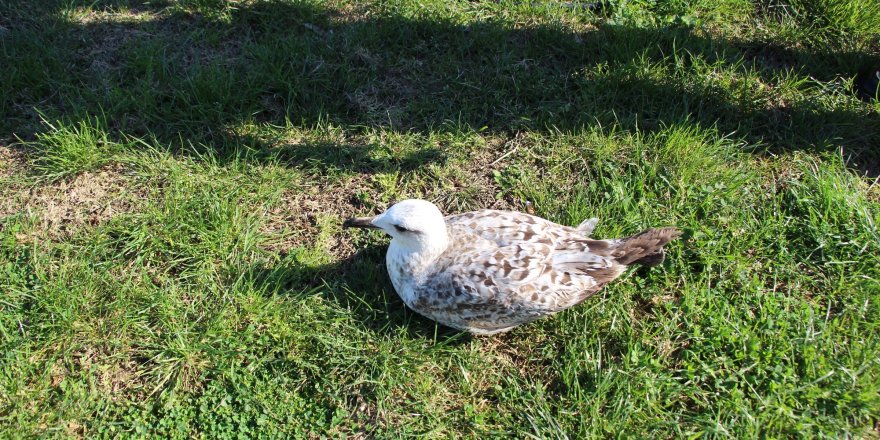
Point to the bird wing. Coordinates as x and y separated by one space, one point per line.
489 288
523 278
505 228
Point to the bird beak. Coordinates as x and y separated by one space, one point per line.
360 222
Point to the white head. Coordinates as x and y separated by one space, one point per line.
414 225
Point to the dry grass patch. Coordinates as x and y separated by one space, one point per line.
13 161
61 209
311 214
302 215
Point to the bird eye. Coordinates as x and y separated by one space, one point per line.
400 228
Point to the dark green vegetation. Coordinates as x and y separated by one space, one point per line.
174 175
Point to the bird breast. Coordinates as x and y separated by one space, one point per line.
406 269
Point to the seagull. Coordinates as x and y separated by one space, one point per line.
489 271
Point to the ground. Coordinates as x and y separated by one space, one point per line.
173 176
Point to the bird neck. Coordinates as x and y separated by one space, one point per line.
414 256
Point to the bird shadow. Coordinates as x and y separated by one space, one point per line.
358 284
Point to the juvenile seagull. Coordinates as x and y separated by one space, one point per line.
488 271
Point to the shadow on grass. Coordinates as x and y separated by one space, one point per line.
155 70
328 156
360 285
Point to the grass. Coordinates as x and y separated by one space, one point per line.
174 175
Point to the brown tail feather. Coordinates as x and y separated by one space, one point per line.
645 247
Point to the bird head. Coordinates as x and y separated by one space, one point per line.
416 225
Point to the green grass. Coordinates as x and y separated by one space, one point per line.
174 175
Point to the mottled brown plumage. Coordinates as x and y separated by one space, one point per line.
488 271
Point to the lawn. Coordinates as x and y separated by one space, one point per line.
174 174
